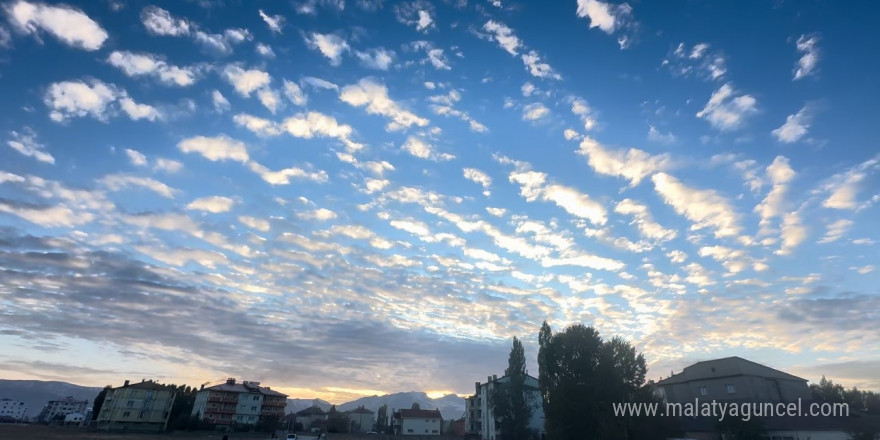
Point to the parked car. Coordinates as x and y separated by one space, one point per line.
291 437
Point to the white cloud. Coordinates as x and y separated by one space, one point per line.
270 99
795 126
599 13
244 81
330 45
167 165
533 186
259 126
538 69
705 208
315 124
583 110
379 58
221 44
319 83
423 150
644 221
726 112
497 212
218 148
780 175
535 111
806 65
25 142
478 177
254 223
836 230
863 270
137 111
283 176
294 93
71 26
418 14
320 214
503 35
844 187
265 50
212 204
118 182
275 22
793 232
158 21
136 157
134 64
77 99
221 104
698 61
367 92
655 135
633 164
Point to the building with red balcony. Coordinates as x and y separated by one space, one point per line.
245 403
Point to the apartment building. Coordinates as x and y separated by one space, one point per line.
245 403
56 410
12 410
144 406
480 419
417 421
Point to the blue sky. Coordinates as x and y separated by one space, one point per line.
353 197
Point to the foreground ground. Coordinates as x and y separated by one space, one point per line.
36 432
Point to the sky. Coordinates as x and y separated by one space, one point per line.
341 198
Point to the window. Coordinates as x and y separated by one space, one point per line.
704 391
141 414
409 430
253 408
730 388
126 414
130 404
256 397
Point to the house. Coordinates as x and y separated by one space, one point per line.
245 403
74 419
137 407
12 410
480 418
56 410
311 416
417 421
361 419
738 381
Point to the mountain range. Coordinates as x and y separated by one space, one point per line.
35 394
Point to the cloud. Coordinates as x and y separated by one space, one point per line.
435 56
633 164
294 93
699 61
600 14
793 232
780 174
159 21
534 186
275 22
418 14
583 110
134 64
379 58
221 104
119 182
795 126
478 177
423 150
504 36
25 142
212 204
806 65
535 111
726 112
259 126
844 187
136 157
644 221
330 45
836 230
254 223
167 165
69 99
656 135
265 50
538 69
244 81
69 25
137 111
319 83
705 208
444 105
283 176
321 214
218 148
367 92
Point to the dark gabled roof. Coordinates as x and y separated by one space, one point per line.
359 410
149 385
726 367
245 388
418 414
311 411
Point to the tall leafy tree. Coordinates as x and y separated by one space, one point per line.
99 401
580 377
510 400
382 419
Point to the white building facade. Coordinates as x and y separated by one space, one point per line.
58 409
12 409
480 418
416 421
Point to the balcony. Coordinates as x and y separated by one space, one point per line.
223 399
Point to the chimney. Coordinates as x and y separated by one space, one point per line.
494 377
202 387
477 387
126 383
230 381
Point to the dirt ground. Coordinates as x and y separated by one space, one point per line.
37 432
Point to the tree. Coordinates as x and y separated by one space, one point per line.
382 419
510 400
336 421
828 391
99 401
581 376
